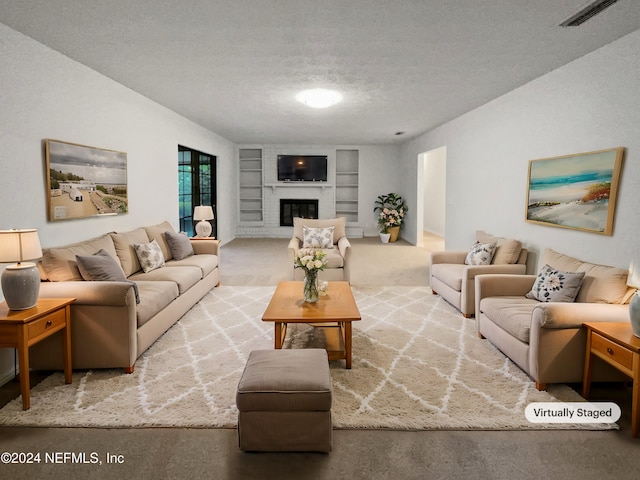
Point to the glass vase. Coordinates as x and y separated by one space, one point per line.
311 294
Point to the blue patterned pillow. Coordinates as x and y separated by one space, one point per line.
480 254
553 285
317 237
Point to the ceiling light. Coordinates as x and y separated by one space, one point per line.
319 97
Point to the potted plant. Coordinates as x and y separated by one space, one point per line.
392 210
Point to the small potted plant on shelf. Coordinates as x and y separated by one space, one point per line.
392 210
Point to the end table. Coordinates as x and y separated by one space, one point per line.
22 328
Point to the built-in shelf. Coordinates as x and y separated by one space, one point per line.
251 194
347 184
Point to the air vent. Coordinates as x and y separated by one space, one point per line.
587 12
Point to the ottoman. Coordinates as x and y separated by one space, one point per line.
284 401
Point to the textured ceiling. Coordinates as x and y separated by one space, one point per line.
403 65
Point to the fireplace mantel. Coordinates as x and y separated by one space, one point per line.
321 185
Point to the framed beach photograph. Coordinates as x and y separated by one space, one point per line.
84 181
575 191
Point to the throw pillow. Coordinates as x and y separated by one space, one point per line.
103 267
480 254
179 244
317 237
149 255
553 285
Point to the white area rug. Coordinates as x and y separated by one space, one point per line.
417 365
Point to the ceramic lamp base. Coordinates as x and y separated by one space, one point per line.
634 314
21 285
203 229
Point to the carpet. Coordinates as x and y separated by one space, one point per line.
417 365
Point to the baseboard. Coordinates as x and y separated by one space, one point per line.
7 376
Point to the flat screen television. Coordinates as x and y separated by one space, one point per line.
302 168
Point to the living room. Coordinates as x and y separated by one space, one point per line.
588 103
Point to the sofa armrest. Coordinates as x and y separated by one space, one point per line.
448 257
500 285
345 247
210 247
471 271
91 293
572 315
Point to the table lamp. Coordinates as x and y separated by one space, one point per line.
20 281
204 214
634 306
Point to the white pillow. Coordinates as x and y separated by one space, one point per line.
149 255
317 237
553 285
480 254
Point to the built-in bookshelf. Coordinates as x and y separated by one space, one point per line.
251 194
347 184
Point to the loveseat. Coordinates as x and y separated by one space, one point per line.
546 339
453 279
114 322
330 236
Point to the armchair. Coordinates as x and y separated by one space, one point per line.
338 268
454 281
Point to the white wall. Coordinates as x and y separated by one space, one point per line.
590 104
44 94
435 177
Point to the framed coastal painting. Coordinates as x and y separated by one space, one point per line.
575 191
84 181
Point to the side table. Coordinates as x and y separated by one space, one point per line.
22 328
615 343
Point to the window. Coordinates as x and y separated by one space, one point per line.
196 186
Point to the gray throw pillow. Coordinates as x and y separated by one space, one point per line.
179 244
103 267
553 285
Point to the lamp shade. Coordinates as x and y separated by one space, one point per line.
634 275
19 245
203 212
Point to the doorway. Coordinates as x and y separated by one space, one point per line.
431 194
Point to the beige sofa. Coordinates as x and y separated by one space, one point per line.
108 328
454 281
547 339
338 265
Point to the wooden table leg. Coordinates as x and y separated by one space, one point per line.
23 365
635 419
277 335
588 367
347 343
66 347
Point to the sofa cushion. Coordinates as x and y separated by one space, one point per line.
103 267
511 313
154 296
157 233
601 283
124 241
60 262
149 255
480 254
179 245
183 276
554 285
205 262
507 249
449 273
339 223
317 237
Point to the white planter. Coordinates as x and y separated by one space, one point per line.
384 237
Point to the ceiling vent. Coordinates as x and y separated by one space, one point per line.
590 11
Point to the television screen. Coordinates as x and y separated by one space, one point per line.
302 168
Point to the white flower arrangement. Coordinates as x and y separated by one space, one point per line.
310 260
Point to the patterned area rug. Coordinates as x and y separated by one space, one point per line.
417 365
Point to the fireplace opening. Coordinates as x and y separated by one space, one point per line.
292 207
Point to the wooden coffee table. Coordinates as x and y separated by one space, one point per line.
334 312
